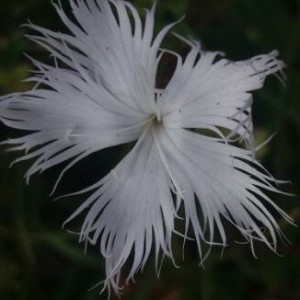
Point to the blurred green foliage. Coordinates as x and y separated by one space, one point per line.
39 261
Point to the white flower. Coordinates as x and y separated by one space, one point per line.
102 92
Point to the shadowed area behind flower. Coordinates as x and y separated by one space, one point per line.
38 261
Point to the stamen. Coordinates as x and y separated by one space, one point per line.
158 116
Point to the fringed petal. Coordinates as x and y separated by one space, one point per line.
110 44
225 182
131 213
205 92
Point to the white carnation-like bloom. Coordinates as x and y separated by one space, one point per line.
102 92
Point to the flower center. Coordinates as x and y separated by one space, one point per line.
156 119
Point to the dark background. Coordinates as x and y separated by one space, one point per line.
39 261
